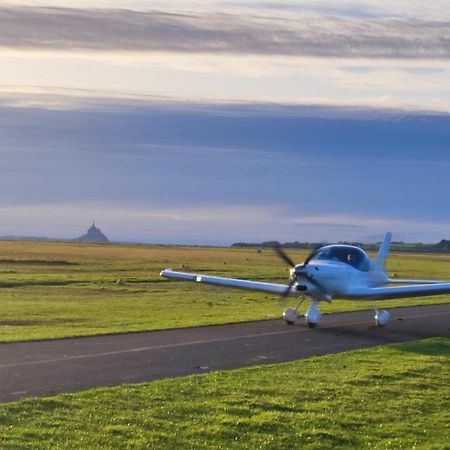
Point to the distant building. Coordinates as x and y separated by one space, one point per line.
93 236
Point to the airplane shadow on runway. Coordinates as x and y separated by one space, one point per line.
373 335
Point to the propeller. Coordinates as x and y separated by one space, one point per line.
284 257
279 251
309 257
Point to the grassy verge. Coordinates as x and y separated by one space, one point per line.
51 290
393 396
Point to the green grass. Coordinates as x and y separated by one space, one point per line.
390 397
53 290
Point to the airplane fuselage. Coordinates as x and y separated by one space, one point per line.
325 279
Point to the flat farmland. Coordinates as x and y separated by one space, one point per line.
62 289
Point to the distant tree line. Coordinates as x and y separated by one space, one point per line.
442 247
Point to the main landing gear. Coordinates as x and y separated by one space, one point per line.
312 317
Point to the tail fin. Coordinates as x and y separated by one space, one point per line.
383 252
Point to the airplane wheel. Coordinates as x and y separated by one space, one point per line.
312 324
290 315
382 318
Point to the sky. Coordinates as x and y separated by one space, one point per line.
211 122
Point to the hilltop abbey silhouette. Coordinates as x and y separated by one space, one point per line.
93 236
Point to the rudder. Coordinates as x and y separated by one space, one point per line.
383 253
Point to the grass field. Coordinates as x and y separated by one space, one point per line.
52 290
390 397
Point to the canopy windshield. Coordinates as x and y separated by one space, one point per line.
353 256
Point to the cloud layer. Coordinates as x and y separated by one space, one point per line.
196 122
126 30
191 172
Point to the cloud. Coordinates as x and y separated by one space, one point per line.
309 172
366 228
411 84
370 108
155 31
436 10
370 9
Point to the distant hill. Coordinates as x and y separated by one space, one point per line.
94 236
28 238
442 247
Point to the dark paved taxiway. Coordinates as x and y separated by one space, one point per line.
67 365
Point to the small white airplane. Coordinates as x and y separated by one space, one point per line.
333 271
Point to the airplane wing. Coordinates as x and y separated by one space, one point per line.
392 292
271 288
362 293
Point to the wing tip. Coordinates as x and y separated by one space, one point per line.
163 272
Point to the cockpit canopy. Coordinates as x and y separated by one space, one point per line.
344 253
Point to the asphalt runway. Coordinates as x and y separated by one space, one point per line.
69 365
